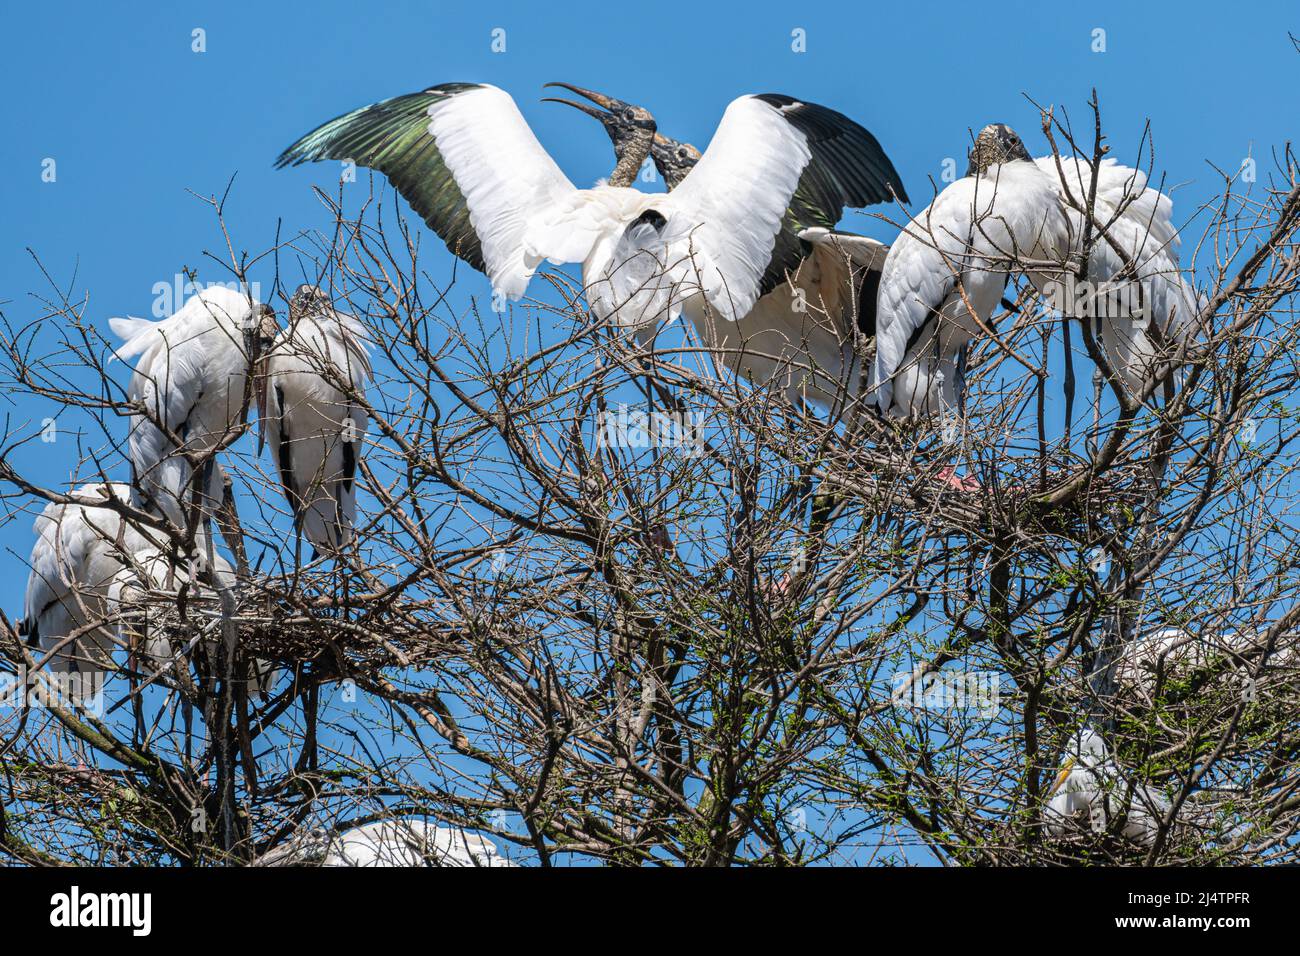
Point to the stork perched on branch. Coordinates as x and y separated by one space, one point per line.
1136 293
465 159
1011 213
945 273
89 569
1165 656
1090 793
802 330
308 409
405 842
190 389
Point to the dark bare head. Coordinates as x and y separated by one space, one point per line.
308 300
261 327
996 143
631 129
673 159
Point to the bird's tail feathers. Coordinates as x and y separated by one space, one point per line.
135 335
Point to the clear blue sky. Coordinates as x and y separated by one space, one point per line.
133 117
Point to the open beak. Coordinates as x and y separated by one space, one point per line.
600 99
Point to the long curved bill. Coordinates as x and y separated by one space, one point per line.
609 103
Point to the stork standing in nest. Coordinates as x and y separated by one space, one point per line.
310 415
190 392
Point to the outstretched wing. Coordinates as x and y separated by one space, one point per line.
775 166
849 169
464 158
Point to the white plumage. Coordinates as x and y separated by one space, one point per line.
514 191
724 218
1139 221
189 380
1167 650
971 230
88 566
1175 654
1089 793
465 158
384 843
707 247
314 429
801 335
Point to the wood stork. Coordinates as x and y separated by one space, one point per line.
1089 792
314 426
465 159
89 569
946 272
802 330
1170 651
1135 237
1175 654
384 843
189 387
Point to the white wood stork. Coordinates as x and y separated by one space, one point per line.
464 158
1008 203
89 568
945 273
1134 225
1089 792
314 428
801 331
1170 651
384 843
1176 654
189 383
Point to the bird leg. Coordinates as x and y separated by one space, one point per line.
246 755
1095 431
647 383
232 531
953 426
307 760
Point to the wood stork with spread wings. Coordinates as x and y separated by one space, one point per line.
190 391
384 843
308 409
467 162
1090 792
802 330
89 568
946 272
